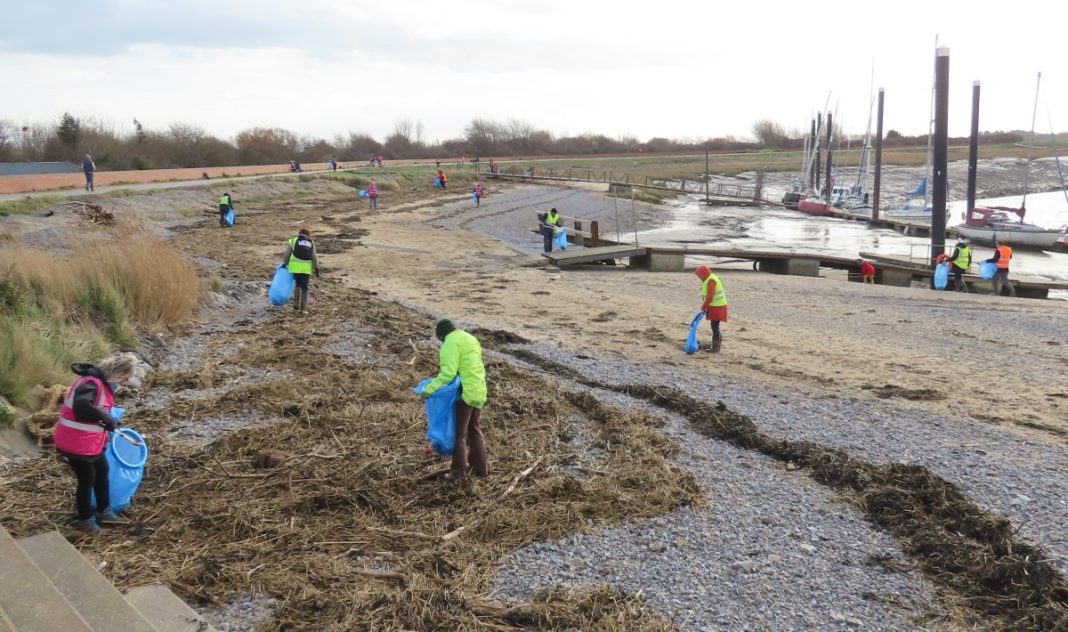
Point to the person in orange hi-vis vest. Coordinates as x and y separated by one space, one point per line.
1002 255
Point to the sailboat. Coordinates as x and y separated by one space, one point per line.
987 225
917 206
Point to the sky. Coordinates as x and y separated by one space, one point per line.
683 69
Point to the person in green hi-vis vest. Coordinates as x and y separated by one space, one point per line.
302 261
461 354
714 305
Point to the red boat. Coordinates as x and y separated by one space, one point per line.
814 206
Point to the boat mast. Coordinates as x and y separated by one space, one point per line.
1027 174
930 131
1056 153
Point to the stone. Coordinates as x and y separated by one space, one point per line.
807 548
656 547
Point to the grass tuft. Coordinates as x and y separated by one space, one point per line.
54 311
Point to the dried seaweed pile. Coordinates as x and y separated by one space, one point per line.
1001 581
338 512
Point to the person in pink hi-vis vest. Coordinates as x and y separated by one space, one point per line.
81 433
372 195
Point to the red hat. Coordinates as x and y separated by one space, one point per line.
702 272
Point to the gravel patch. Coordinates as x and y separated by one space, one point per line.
1011 476
244 614
773 550
209 429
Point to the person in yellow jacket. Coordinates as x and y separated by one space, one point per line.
302 261
461 354
714 305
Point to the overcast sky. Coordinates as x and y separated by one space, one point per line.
671 68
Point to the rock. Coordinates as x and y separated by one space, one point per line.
807 548
856 623
680 543
774 557
577 563
837 617
656 547
268 459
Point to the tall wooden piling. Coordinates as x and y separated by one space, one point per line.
830 132
941 152
878 158
817 167
973 148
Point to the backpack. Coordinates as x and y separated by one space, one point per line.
302 248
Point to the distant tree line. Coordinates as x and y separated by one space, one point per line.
772 135
187 145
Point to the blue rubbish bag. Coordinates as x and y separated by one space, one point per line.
988 269
281 287
941 275
363 193
441 416
691 340
560 241
437 183
229 217
126 466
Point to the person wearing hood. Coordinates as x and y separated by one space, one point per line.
461 354
372 195
714 305
85 418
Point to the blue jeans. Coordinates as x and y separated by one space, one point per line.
89 181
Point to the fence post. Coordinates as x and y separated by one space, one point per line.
682 187
759 189
595 235
577 237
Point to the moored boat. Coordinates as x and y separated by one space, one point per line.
987 225
814 206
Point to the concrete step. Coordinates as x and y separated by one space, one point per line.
30 601
99 603
165 610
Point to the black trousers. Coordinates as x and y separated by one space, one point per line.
300 292
92 478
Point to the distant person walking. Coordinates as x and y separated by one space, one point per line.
714 305
333 163
372 195
477 192
962 260
89 168
226 205
302 261
1002 255
461 354
867 271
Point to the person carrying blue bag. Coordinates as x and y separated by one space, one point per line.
81 434
226 205
461 354
302 261
714 305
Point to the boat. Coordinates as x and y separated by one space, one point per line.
814 205
986 225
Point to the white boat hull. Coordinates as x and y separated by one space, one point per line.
1041 239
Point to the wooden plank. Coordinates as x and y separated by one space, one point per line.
586 255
